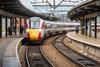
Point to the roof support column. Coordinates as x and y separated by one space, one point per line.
0 26
20 25
6 26
11 25
95 27
86 27
90 28
15 26
11 22
82 25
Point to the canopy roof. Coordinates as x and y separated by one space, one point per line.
87 7
14 8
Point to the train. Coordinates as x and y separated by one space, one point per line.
36 31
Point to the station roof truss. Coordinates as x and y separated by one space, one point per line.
85 8
14 8
55 7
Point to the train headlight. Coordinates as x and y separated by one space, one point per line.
27 30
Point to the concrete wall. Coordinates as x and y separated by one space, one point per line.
85 49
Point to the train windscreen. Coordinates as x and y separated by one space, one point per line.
35 25
35 22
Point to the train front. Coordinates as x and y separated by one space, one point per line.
36 33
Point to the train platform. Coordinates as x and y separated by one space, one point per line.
88 46
84 39
8 56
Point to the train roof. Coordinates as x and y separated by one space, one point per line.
35 19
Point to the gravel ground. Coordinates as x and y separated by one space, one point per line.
54 56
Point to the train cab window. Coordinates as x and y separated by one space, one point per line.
35 25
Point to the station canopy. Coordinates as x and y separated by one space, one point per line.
85 8
14 8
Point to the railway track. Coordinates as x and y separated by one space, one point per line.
54 56
34 57
77 58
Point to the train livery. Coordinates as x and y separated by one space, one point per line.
36 32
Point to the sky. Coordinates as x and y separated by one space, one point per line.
27 4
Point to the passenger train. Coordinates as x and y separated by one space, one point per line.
36 31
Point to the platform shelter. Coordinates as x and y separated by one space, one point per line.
88 13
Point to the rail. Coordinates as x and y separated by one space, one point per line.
46 57
75 57
18 46
35 58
